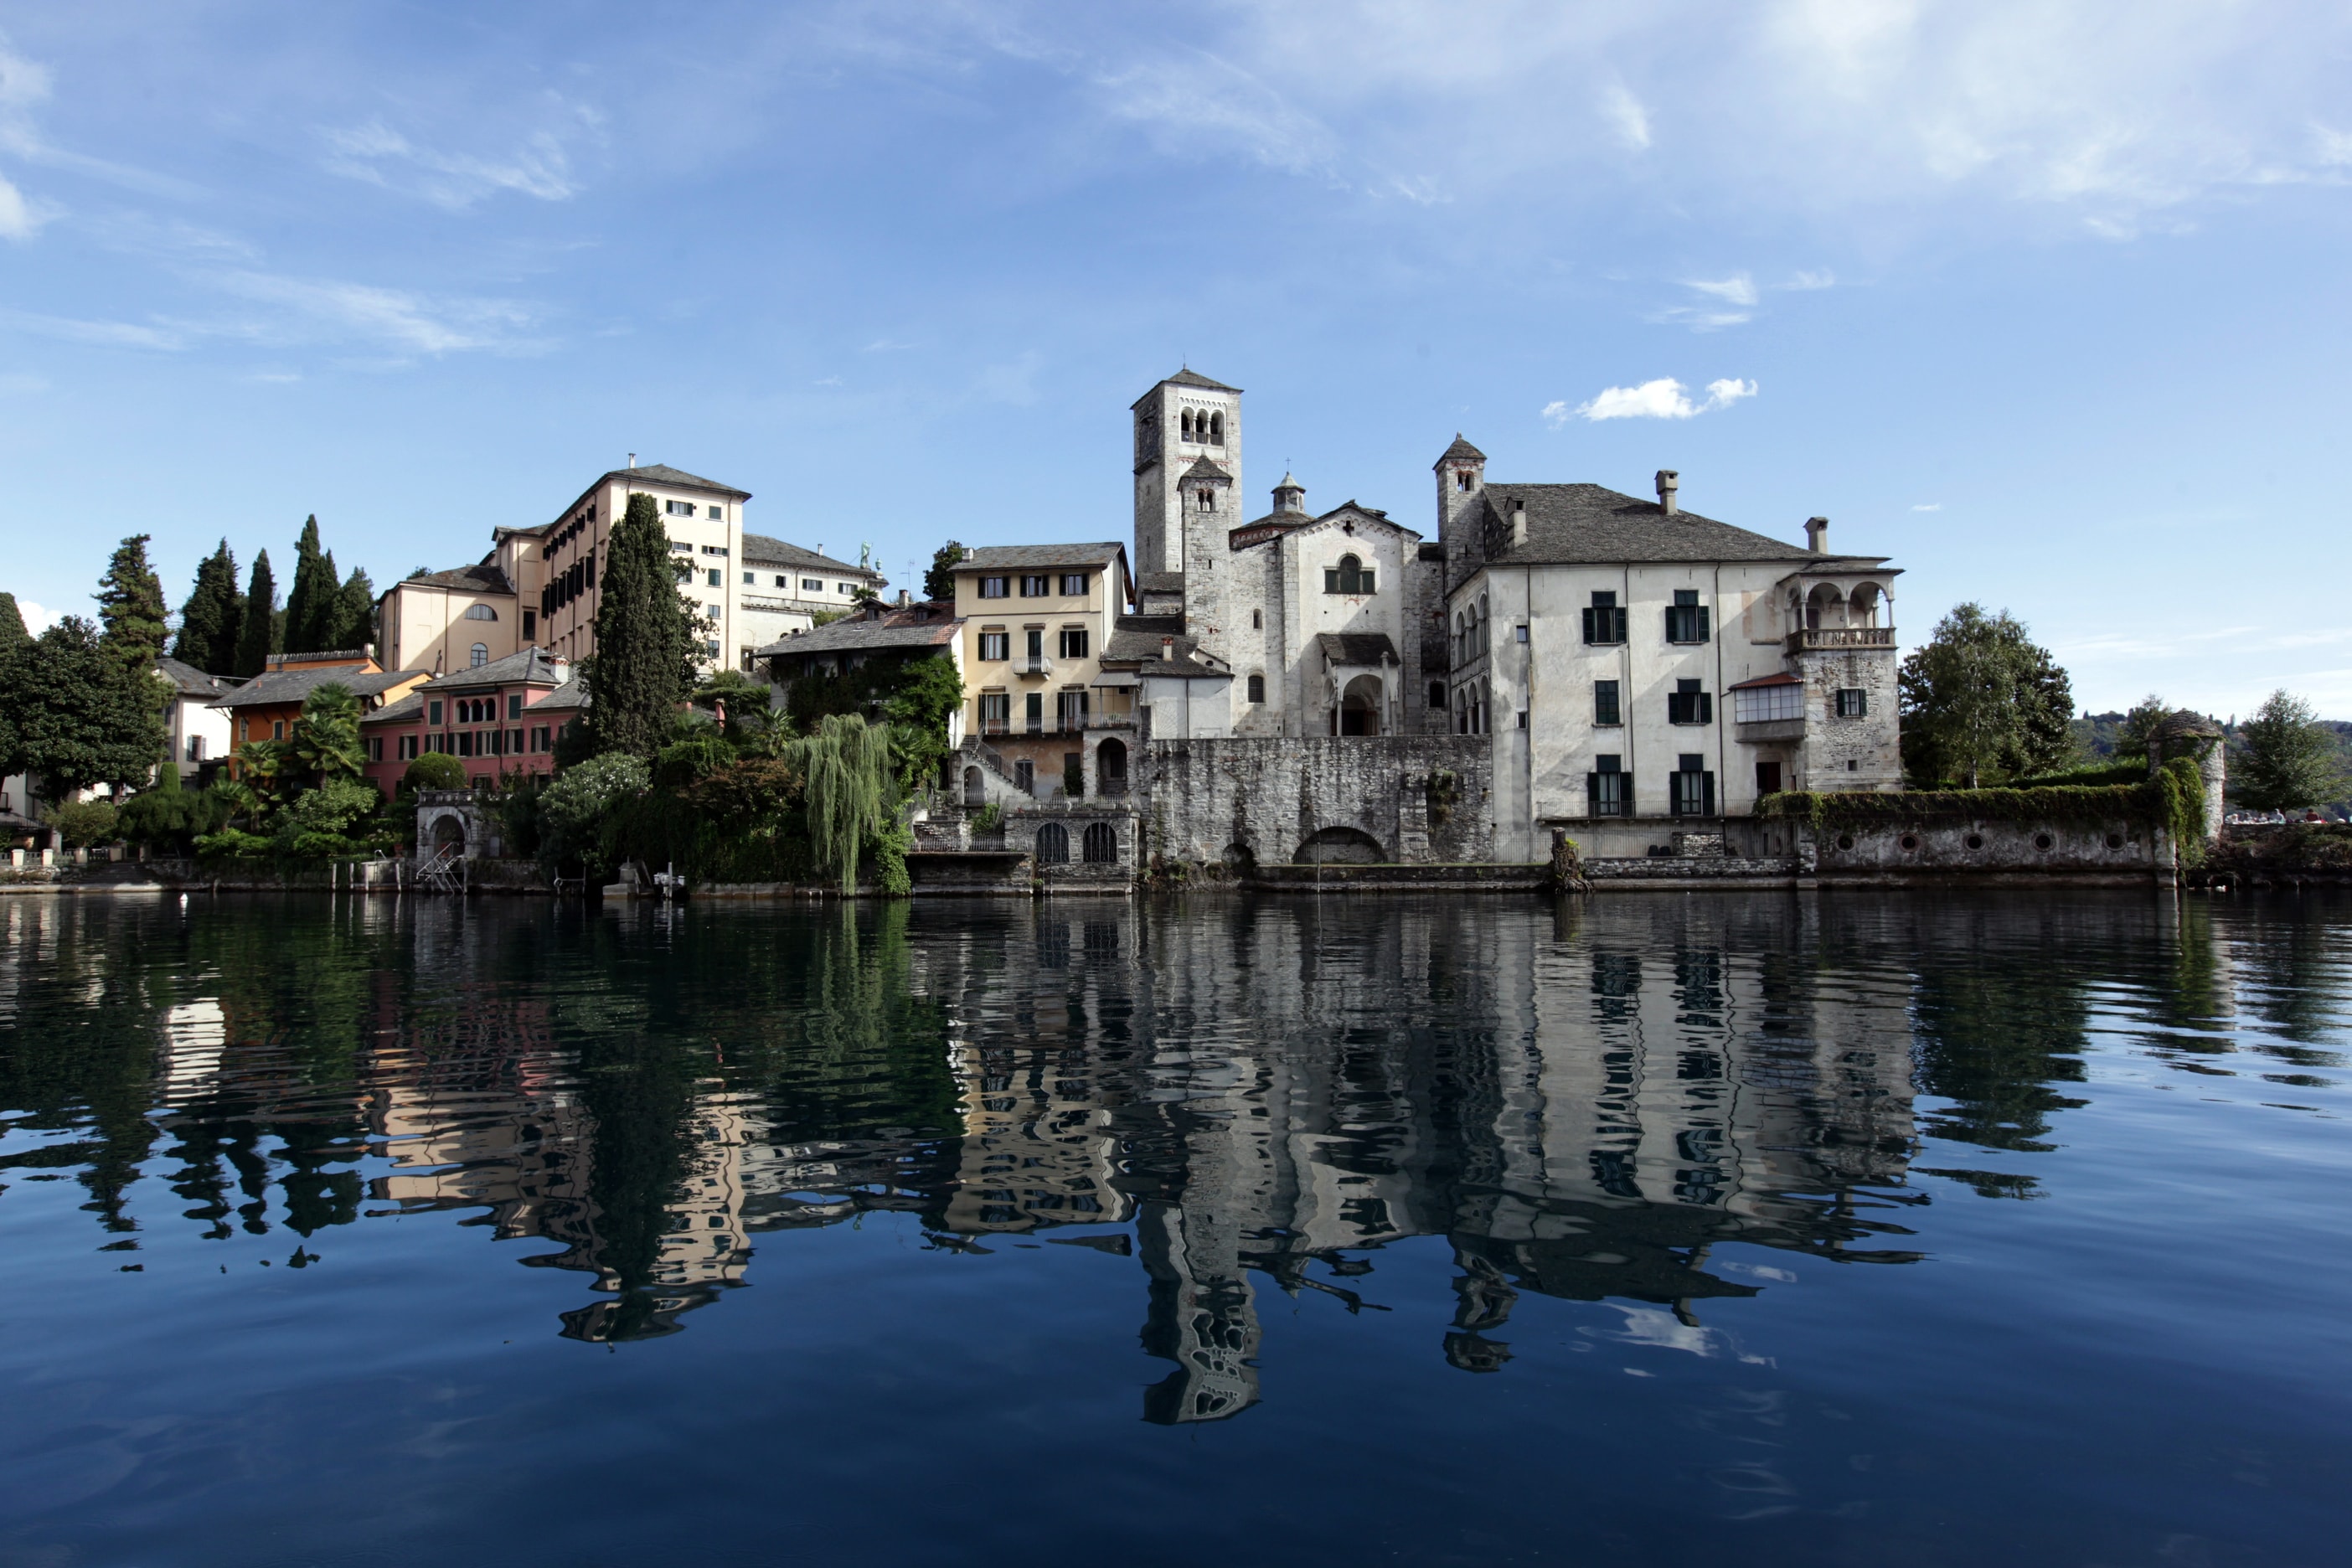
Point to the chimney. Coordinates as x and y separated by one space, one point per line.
969 553
1817 535
905 598
633 459
1166 647
1519 520
1669 481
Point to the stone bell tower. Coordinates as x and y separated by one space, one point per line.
1183 419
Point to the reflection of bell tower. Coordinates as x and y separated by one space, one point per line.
1201 1318
1183 419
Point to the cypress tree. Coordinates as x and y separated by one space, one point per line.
14 640
131 607
257 639
312 587
351 615
643 665
210 620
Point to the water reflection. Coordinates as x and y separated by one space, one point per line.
1233 1097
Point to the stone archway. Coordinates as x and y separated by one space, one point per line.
1359 706
1340 846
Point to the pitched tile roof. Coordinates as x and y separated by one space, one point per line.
281 688
532 666
570 697
1136 639
1460 449
765 550
190 681
1570 524
907 629
1188 377
1202 468
482 577
403 712
677 479
992 557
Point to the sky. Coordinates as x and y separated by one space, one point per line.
2045 300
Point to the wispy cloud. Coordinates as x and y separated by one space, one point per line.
1625 115
405 320
1665 398
1738 290
1806 280
886 346
110 334
380 155
1929 506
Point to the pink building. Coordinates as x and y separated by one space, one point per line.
499 718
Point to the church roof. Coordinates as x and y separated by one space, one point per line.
1570 524
1188 377
1202 468
1460 449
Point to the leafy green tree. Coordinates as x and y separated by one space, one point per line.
131 607
2286 758
1981 701
2132 736
326 738
434 770
258 637
846 768
79 722
326 822
576 811
168 817
645 665
81 823
212 615
939 583
14 641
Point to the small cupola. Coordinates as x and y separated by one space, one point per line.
1289 495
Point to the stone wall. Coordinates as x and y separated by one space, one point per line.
1270 796
1960 847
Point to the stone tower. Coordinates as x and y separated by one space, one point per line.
1183 419
1461 481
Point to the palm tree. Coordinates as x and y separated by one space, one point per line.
327 735
261 767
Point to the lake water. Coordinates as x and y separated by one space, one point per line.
1640 1228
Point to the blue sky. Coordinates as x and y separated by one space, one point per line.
2046 300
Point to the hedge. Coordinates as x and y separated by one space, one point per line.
2173 797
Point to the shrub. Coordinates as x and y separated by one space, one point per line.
326 823
81 823
434 770
233 843
578 811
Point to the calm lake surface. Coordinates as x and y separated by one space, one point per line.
1903 1230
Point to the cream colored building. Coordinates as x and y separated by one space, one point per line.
1037 622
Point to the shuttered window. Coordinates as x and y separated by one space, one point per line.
1605 622
1686 617
1691 788
1686 704
1608 788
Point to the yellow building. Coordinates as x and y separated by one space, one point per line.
1037 619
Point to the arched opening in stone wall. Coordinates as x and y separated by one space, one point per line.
1824 608
449 831
1111 763
1052 845
975 793
1866 604
1340 846
1240 857
1101 843
1359 707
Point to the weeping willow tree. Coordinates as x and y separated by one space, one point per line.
846 764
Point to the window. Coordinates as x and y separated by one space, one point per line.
433 714
1035 639
750 579
1184 423
514 704
482 612
714 576
195 748
1853 702
678 508
1052 845
716 610
406 751
1074 584
1216 430
995 712
718 513
1520 633
1768 778
479 655
1686 704
1208 498
677 549
1604 703
714 550
1032 712
996 588
816 584
541 740
847 587
1070 711
783 581
1691 791
1024 775
995 646
1350 576
1257 688
530 624
1605 622
1437 697
1608 788
375 748
1101 843
1073 642
1686 617
1769 704
1257 619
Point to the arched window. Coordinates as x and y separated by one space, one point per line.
1257 688
1111 763
1052 845
1864 603
1101 843
1186 423
482 612
1216 430
1350 576
974 791
481 654
1208 498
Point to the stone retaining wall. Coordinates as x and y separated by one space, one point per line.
1266 799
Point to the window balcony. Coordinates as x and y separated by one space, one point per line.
1033 664
1830 639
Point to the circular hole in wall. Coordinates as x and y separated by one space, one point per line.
1845 840
2041 841
2114 840
1976 840
1910 841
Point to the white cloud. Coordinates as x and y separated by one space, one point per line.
407 321
1626 116
110 334
1735 300
886 346
1802 280
383 156
832 381
1929 506
1665 398
38 618
1739 289
18 217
